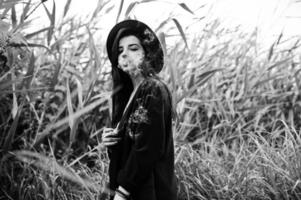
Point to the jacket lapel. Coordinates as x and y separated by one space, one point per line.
127 111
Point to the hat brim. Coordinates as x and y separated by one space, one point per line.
138 27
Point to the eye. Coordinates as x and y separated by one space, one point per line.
120 50
134 47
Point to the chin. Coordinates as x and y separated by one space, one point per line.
133 74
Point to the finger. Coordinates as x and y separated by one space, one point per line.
109 135
110 143
115 131
105 130
108 129
110 139
112 133
105 135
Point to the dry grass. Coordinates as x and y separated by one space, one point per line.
238 110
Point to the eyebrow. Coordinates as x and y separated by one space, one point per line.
133 44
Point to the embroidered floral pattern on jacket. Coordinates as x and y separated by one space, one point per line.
137 117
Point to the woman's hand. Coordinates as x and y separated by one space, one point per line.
109 137
121 194
118 197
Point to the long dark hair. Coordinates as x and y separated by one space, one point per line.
122 83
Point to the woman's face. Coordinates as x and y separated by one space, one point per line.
130 55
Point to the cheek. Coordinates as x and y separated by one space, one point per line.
138 58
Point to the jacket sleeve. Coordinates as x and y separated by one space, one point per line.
148 143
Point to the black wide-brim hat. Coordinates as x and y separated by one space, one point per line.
145 34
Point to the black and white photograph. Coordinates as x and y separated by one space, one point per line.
150 99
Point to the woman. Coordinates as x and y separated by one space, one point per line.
140 146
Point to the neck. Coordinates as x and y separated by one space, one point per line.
137 80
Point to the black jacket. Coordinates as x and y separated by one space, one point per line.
143 161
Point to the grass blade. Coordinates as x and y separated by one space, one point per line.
13 16
163 42
69 105
185 7
47 12
147 1
30 72
161 25
52 23
271 51
284 61
3 14
97 62
99 7
55 77
79 93
267 80
181 31
202 79
64 121
51 17
30 35
4 27
25 11
11 133
119 11
67 6
130 8
73 122
50 165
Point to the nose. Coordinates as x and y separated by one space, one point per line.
123 54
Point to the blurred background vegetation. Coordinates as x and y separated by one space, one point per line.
237 128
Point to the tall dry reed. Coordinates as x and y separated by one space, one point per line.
237 104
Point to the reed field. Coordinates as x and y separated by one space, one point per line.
237 107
